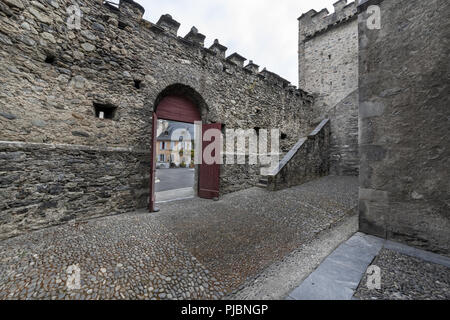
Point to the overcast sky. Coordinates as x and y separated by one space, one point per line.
265 31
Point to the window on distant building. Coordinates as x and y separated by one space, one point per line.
162 158
163 146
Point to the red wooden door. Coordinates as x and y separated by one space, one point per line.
178 109
209 175
152 207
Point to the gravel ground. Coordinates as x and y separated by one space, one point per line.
407 278
194 249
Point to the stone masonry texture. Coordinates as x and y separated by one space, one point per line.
44 185
404 122
52 78
307 161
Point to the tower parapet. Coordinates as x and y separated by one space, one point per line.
132 9
195 37
219 49
169 24
252 67
237 59
313 22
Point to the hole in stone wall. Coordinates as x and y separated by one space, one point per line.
50 59
104 111
122 25
137 84
283 136
257 130
329 56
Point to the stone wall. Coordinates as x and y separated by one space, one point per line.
307 161
52 78
344 144
328 68
43 185
53 102
404 123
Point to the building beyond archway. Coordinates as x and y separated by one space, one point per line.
183 104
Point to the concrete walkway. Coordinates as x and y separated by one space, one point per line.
193 249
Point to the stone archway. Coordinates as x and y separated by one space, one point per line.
181 103
187 93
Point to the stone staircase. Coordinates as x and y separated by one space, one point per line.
306 161
263 182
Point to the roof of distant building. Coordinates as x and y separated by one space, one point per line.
174 126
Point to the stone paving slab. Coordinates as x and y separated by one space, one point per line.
340 274
366 241
321 287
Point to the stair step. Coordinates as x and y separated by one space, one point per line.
262 186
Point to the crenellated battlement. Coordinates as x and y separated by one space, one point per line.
131 8
131 13
170 25
313 22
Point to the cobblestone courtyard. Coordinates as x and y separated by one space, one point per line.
194 249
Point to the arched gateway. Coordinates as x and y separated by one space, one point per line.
176 103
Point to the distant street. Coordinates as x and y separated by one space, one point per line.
171 179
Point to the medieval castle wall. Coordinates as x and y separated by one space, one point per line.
57 159
328 68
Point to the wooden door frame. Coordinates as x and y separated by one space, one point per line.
210 190
152 196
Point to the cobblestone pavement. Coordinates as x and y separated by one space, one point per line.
407 278
194 249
